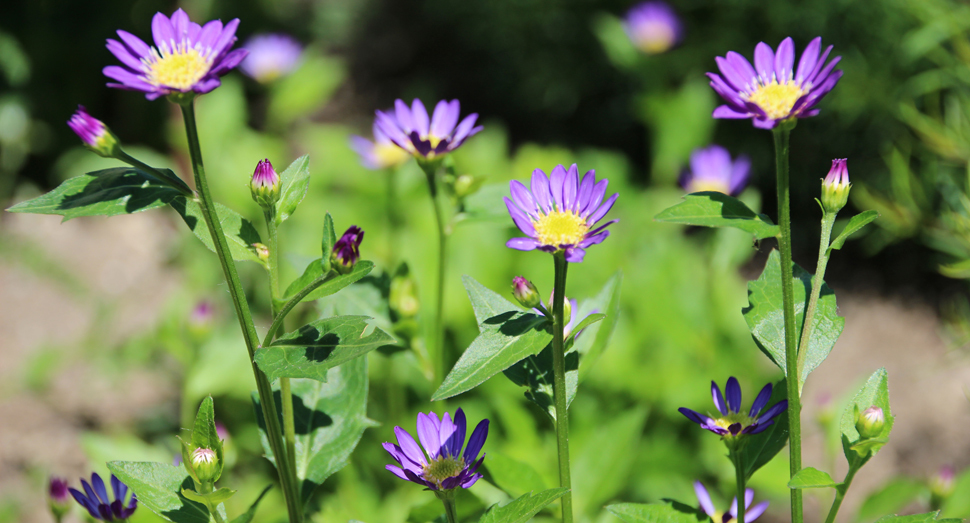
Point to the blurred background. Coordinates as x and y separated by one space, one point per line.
114 329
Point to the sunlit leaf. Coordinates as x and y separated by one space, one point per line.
294 182
522 509
856 223
240 232
811 477
874 393
644 513
714 209
158 487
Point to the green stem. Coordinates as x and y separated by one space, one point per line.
160 175
559 382
207 488
828 221
739 479
451 508
438 354
840 491
781 135
288 306
263 387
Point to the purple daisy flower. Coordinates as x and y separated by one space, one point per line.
444 467
382 153
750 514
95 499
271 56
770 91
653 27
711 169
57 490
186 58
412 130
732 421
560 211
346 252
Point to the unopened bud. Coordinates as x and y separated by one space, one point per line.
525 292
567 308
403 297
94 133
262 251
206 464
467 184
58 496
346 252
835 187
265 184
870 422
941 487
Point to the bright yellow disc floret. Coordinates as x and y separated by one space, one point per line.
560 228
776 99
180 69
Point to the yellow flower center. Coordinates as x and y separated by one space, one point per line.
776 99
560 228
438 470
180 69
389 154
732 418
708 185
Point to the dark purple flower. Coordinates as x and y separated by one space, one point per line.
346 252
93 133
187 57
750 514
271 56
771 91
560 211
653 27
732 421
412 130
441 465
95 499
57 490
525 292
711 169
379 154
264 186
836 186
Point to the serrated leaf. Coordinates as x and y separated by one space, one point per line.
109 192
874 393
247 517
644 513
765 317
240 232
330 419
204 432
215 497
856 223
312 350
512 476
714 209
594 340
336 282
765 445
810 477
294 182
522 509
158 487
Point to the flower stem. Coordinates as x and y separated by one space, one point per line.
160 175
840 491
559 383
738 458
206 489
828 221
451 508
781 135
265 390
437 355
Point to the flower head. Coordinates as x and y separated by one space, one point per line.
835 187
346 252
750 513
412 130
711 169
57 490
771 91
187 57
382 153
264 186
441 465
93 133
732 422
95 499
560 211
206 464
870 422
271 56
653 27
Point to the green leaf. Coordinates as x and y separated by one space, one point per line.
294 182
958 270
314 349
765 445
329 240
811 477
594 340
204 433
892 497
643 513
765 317
874 392
522 509
109 192
215 497
247 517
330 419
535 373
240 232
334 283
486 303
512 476
855 223
158 487
714 209
915 518
587 321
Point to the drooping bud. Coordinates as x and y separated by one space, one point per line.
265 184
262 251
346 252
835 187
870 422
94 133
206 464
58 497
525 292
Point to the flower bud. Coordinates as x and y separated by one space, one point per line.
870 422
206 464
58 497
403 297
265 184
467 184
95 135
567 309
941 487
835 187
346 252
525 292
262 251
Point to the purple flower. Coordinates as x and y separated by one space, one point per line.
560 211
836 186
57 490
271 56
379 154
346 252
187 57
732 421
440 465
750 514
412 131
93 133
653 27
96 499
711 169
770 91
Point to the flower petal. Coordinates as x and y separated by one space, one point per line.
585 191
523 198
540 190
704 498
733 393
724 111
575 254
420 116
755 512
570 188
718 399
522 244
784 60
120 489
740 171
774 410
396 471
459 435
521 220
122 53
163 32
599 191
603 209
137 45
403 114
428 436
409 446
476 441
764 62
806 64
760 401
556 180
445 118
694 416
98 485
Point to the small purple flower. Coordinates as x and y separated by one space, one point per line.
711 169
271 56
560 211
95 499
771 91
346 252
732 421
750 514
264 186
653 27
412 130
382 153
525 292
93 133
836 186
187 57
440 465
57 490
